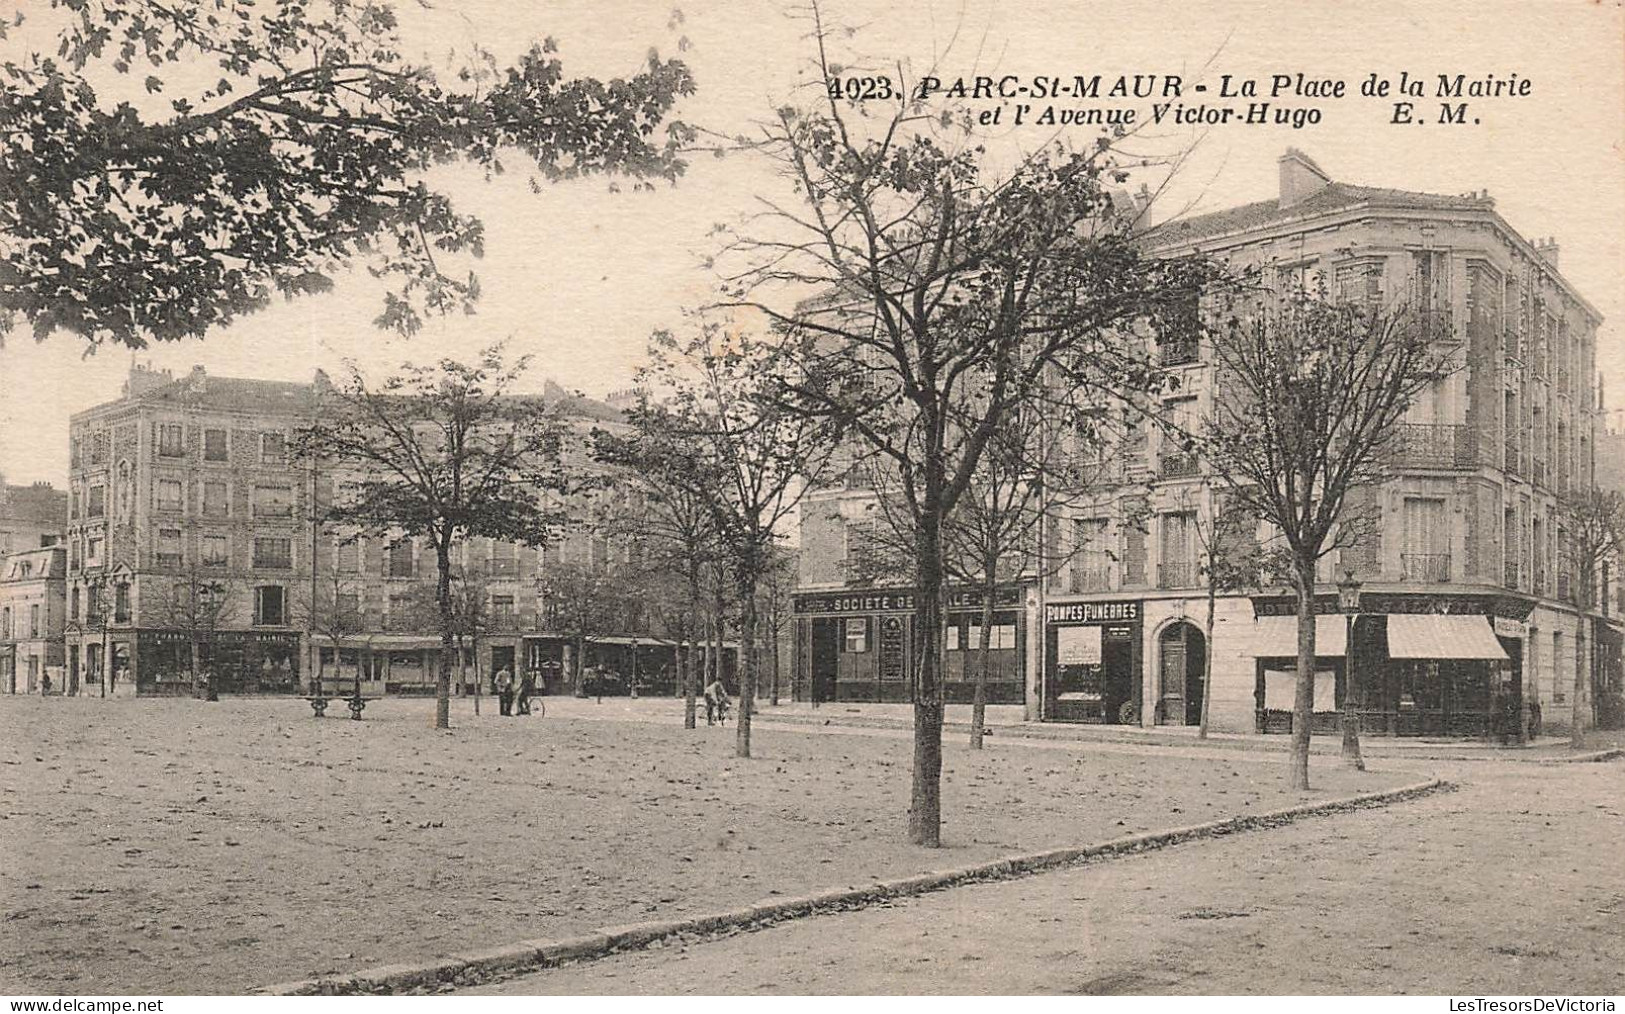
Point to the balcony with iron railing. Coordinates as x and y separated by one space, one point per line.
1512 574
1179 465
1435 445
1425 566
1176 575
1178 353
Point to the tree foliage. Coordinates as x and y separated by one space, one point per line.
1311 393
948 292
753 458
443 453
307 154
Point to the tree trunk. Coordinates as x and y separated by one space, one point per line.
747 658
685 667
578 665
984 659
925 797
1303 705
448 633
197 668
1207 655
776 622
716 638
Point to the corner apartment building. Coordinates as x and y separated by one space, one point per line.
188 483
1467 596
1467 593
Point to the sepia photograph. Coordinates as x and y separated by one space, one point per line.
945 498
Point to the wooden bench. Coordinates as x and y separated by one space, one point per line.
354 702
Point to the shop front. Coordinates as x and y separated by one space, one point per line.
159 662
1422 665
1093 664
859 646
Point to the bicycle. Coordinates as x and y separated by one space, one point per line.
535 706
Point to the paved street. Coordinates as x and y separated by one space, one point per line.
1514 884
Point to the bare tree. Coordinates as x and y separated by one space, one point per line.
675 524
775 611
1310 394
194 601
757 455
1594 532
1229 559
443 453
941 282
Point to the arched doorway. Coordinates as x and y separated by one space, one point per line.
1183 651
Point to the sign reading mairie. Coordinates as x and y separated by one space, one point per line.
1092 612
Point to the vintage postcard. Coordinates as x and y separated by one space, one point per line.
811 497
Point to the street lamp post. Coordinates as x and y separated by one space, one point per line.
1348 602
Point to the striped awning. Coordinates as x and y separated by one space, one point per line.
1277 637
1429 635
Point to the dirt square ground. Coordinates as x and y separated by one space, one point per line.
173 846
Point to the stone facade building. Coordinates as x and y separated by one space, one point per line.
31 517
189 522
1467 600
32 616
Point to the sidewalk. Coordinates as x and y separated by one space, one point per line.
1009 721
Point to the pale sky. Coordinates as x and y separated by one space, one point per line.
579 276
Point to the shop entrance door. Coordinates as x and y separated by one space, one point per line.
826 646
1121 684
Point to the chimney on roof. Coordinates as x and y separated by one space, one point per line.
198 380
1301 178
1547 248
1142 202
144 378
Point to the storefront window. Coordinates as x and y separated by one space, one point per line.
857 635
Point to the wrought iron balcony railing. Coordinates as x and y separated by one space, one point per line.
1426 566
1179 465
1435 445
1512 573
1178 353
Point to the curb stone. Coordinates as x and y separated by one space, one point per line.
1594 757
532 955
1057 733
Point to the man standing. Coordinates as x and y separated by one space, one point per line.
504 684
716 702
527 686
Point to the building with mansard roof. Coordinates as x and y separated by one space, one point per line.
1467 603
189 520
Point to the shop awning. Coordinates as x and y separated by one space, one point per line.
1429 635
1277 637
